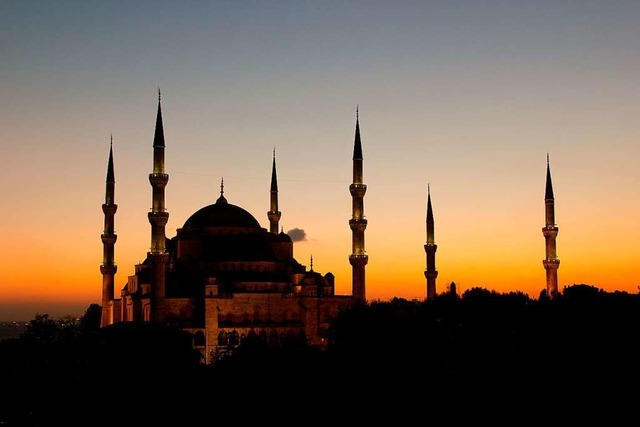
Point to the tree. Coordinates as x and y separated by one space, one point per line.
42 328
90 321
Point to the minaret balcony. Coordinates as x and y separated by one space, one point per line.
159 179
107 269
158 252
431 274
358 190
358 224
551 264
108 239
358 259
158 218
109 209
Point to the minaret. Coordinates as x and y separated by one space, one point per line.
108 267
274 214
358 222
550 231
430 248
158 218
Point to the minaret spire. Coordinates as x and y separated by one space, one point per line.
221 199
550 232
110 175
548 193
158 218
274 214
430 248
108 267
358 222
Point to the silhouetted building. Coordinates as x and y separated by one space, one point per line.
550 231
430 249
223 277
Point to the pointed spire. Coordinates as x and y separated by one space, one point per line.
110 174
274 177
548 194
311 263
357 147
158 139
221 199
429 209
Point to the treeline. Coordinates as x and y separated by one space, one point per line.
508 349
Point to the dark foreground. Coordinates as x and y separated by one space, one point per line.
480 357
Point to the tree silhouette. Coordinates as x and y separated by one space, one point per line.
481 344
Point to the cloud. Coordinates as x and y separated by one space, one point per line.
297 234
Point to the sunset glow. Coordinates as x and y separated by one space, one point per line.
468 97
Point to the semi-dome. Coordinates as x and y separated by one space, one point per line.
221 214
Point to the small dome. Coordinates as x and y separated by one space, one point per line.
221 214
283 237
312 278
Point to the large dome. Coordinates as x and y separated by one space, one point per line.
221 214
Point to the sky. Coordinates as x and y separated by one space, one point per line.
467 97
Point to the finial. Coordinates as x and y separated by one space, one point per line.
357 109
274 152
111 139
221 199
159 96
311 262
547 157
282 229
428 188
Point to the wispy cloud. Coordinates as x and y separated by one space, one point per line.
297 234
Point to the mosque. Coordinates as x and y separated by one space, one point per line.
223 277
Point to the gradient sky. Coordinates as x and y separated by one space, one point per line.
468 96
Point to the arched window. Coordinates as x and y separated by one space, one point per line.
223 339
198 339
234 340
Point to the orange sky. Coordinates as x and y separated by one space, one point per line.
468 97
